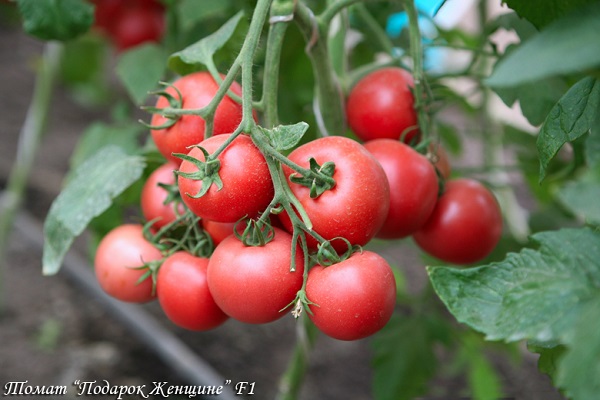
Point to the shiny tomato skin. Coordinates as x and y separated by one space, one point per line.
413 187
218 231
247 185
354 298
465 225
119 254
183 294
381 105
356 207
253 284
197 90
153 197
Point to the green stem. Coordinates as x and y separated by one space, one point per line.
29 141
281 15
373 30
329 99
416 52
291 381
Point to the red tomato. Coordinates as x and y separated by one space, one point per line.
118 257
381 105
356 207
254 284
134 26
247 186
105 13
354 298
413 186
218 231
197 90
182 291
154 196
465 225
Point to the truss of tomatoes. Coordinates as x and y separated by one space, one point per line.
224 267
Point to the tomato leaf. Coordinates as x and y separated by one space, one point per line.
592 145
572 117
140 69
483 379
189 13
536 99
285 137
403 359
56 19
547 294
570 45
580 197
202 51
90 192
543 12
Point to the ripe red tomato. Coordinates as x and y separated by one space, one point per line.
381 105
134 26
354 298
413 186
218 231
119 254
247 186
197 90
465 225
254 284
182 291
356 207
154 196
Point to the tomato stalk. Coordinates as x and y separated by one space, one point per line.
329 99
416 53
30 139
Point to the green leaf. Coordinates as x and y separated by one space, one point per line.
285 137
579 369
581 198
403 359
543 12
570 45
202 51
99 135
56 19
190 14
534 294
571 118
140 69
549 357
91 191
592 145
483 379
536 99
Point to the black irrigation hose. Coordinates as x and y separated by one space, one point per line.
174 353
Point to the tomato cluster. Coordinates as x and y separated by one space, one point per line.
235 229
128 23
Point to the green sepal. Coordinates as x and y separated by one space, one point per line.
320 181
208 172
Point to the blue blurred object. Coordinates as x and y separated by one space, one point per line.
397 22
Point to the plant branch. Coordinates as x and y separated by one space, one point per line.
29 141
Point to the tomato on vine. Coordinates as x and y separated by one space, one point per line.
183 294
356 207
254 284
118 261
381 105
247 186
197 90
413 186
465 225
154 199
354 298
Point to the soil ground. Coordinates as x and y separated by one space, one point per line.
53 332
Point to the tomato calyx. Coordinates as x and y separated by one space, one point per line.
256 234
327 255
175 103
319 181
208 172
